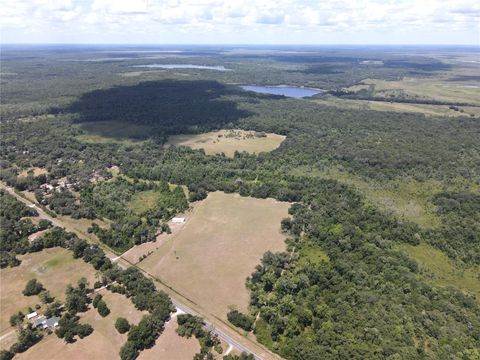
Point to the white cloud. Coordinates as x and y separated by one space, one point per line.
238 20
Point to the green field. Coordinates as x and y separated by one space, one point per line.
441 271
144 201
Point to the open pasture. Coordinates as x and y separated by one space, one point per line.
228 141
55 268
442 271
105 341
220 245
440 89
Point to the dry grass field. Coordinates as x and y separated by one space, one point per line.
105 341
220 245
171 346
426 109
228 141
35 171
437 88
55 268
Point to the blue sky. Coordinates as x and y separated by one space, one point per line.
241 21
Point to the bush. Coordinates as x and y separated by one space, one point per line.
6 355
33 287
102 308
96 300
122 325
240 320
16 319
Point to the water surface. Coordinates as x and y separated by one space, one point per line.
183 66
290 91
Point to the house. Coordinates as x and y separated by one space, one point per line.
32 315
39 322
46 323
178 220
51 323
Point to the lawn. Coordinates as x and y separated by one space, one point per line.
105 341
228 141
209 259
144 201
442 271
55 268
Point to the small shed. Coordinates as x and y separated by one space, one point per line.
178 220
32 315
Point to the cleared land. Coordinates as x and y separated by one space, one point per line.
210 258
440 88
171 346
228 141
133 255
55 268
35 171
105 341
143 201
426 109
440 270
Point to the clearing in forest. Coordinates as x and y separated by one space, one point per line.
229 141
103 343
442 271
55 268
209 259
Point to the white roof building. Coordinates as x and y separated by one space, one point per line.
178 220
32 315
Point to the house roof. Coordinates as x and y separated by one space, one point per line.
31 315
52 322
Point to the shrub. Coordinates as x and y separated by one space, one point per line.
122 325
33 287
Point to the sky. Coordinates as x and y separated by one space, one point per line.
392 22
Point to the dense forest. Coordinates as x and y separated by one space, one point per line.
363 299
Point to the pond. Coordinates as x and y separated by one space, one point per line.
183 66
290 91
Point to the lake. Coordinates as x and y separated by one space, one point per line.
290 91
183 66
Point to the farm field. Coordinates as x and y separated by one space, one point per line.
442 271
220 245
105 341
426 109
228 141
55 268
171 346
439 88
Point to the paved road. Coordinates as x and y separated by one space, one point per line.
229 340
124 263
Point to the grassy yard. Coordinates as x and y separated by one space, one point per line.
228 141
143 201
55 268
224 238
439 270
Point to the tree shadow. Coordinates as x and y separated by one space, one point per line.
163 107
